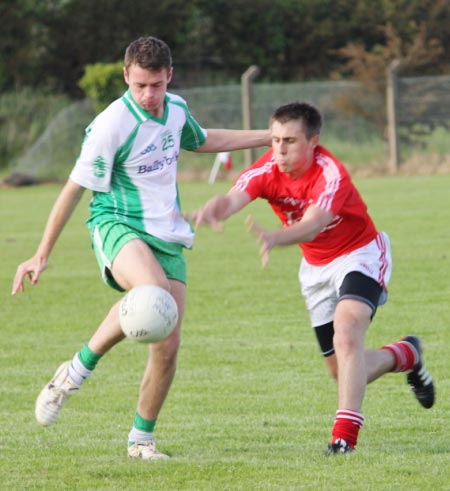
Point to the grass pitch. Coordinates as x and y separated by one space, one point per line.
251 407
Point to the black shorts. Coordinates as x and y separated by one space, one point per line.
359 287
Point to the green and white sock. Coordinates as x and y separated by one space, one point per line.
142 430
83 364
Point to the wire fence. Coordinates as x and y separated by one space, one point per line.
420 100
221 106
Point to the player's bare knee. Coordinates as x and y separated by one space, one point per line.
346 342
166 351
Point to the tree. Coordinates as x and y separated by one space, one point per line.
417 48
48 43
20 63
83 32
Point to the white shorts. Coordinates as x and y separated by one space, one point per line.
320 284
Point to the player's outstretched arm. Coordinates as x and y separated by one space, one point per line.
224 140
215 211
313 222
61 212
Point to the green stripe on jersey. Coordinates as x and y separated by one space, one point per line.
140 113
124 194
192 136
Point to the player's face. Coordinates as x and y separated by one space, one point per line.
148 87
292 151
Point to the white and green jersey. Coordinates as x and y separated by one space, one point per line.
129 160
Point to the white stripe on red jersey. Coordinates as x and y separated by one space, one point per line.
327 185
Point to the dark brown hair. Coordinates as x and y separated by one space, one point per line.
148 52
306 113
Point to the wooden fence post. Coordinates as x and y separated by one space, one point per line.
391 103
246 93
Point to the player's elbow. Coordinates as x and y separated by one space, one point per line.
310 236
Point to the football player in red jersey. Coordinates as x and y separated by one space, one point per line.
346 262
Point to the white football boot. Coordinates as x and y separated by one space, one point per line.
145 451
54 394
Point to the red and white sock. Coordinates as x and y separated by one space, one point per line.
405 355
347 425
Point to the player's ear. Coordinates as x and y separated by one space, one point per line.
315 140
169 74
125 75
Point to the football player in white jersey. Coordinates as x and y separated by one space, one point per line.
129 161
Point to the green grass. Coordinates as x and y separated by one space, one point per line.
251 407
369 154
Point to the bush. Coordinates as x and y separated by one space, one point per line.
102 83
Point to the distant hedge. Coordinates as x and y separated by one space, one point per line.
102 83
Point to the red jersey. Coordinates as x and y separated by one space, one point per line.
326 184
